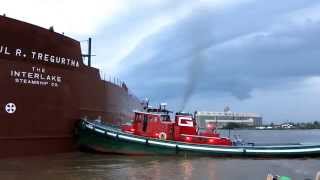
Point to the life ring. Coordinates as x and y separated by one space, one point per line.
163 136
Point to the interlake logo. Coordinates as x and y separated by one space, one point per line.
36 76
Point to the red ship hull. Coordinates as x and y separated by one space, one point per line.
46 89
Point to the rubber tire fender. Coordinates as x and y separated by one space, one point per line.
162 136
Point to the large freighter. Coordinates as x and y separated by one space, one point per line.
46 89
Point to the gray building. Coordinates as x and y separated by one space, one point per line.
223 118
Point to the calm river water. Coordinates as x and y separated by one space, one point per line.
83 166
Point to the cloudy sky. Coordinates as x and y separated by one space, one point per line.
253 55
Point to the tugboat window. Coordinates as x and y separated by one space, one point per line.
165 118
145 123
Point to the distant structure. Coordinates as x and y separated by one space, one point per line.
51 29
223 118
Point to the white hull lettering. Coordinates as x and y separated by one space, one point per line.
33 75
39 56
54 59
38 76
18 52
4 50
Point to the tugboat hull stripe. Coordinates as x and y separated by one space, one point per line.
161 143
111 134
100 131
209 149
89 126
283 150
132 138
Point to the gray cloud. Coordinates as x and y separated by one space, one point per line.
251 46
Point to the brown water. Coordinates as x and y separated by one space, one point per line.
83 166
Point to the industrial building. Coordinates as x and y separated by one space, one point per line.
223 118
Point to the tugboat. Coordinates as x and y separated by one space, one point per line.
156 123
152 132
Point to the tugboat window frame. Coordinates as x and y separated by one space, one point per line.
165 118
139 118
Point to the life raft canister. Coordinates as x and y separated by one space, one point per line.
163 136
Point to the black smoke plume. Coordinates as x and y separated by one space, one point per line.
193 78
199 38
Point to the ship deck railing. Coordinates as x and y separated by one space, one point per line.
116 81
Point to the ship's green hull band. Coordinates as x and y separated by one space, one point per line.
109 140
